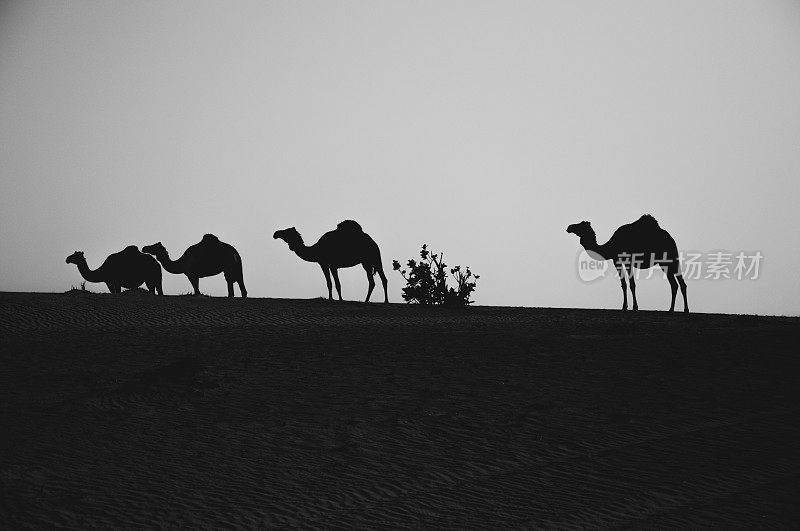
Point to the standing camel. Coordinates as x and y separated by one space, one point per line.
347 246
206 258
641 244
128 269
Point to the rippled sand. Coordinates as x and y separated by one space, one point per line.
140 411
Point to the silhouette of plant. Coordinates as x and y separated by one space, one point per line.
426 281
79 289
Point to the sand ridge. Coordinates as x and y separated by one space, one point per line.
128 411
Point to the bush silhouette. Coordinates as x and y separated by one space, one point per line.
426 281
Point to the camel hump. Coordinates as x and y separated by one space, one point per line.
349 225
130 249
647 219
208 238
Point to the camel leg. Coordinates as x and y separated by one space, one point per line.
195 281
370 281
682 284
335 273
238 277
230 279
383 281
632 283
156 286
242 289
328 281
673 284
621 273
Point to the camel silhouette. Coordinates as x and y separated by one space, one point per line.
641 244
128 269
347 246
206 258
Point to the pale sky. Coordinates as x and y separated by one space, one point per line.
480 128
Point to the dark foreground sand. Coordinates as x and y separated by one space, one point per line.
138 411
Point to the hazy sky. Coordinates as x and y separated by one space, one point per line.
480 128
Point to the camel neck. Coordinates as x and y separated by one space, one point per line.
304 252
88 274
590 244
170 266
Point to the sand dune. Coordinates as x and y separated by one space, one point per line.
140 411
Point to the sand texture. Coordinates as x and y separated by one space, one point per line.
136 411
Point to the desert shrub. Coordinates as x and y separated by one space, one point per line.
82 288
426 281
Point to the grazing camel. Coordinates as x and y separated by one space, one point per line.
347 246
207 258
641 244
128 269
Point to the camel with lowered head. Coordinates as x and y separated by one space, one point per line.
128 269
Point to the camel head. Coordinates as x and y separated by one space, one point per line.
290 236
581 230
76 258
156 249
